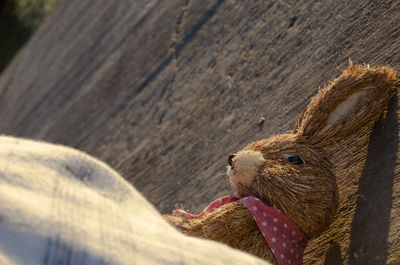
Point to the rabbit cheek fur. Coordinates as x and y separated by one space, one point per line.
305 191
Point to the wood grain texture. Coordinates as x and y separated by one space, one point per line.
164 91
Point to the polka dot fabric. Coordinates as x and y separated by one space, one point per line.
285 239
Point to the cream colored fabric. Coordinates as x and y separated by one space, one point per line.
61 206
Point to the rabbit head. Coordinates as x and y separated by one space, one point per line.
292 171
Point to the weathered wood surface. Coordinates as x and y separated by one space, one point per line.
164 91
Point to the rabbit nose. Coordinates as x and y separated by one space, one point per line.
230 159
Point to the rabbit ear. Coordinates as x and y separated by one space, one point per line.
346 104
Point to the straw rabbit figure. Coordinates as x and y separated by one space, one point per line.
290 173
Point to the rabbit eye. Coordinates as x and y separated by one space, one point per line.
295 160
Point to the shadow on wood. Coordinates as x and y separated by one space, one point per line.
371 222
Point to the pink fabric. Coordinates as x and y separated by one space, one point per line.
210 208
285 239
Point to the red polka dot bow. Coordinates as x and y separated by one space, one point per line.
285 239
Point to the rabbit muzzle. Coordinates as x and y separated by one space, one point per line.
244 166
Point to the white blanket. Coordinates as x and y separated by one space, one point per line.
61 206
